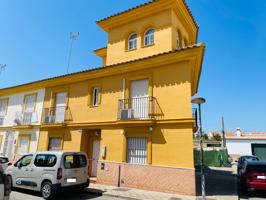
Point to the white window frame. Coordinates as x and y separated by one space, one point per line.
95 96
149 37
3 113
132 41
137 150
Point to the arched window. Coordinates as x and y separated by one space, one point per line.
132 41
149 37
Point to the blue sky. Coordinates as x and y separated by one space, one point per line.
34 43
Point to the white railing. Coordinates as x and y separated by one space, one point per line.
26 118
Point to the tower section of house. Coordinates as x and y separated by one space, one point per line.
133 115
20 118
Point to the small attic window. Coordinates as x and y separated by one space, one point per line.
132 41
149 37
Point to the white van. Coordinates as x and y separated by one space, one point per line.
50 172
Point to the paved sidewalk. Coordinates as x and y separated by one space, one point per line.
134 194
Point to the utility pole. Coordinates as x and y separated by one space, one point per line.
223 133
2 68
73 36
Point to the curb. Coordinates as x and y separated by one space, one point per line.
102 193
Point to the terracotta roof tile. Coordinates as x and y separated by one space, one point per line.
108 66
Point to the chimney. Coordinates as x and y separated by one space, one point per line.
238 132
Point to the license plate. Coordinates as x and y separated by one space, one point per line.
71 180
261 177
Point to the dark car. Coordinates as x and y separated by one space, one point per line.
253 176
241 162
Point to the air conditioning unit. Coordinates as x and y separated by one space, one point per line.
126 114
48 119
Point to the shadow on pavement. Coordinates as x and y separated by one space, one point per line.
218 182
66 195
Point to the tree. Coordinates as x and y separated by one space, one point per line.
216 137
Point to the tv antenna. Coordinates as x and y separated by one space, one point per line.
73 36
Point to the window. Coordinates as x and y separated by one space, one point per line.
24 161
3 160
178 39
95 96
45 160
29 103
75 161
55 144
3 107
132 41
149 37
137 150
23 144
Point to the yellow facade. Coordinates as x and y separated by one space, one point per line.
172 67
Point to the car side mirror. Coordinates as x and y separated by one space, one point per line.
19 165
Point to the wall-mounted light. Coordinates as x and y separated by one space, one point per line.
122 132
150 128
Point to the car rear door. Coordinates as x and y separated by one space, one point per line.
75 169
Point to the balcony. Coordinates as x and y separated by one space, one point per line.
2 118
56 115
142 108
195 116
26 118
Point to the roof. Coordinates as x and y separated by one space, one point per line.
246 135
106 67
146 4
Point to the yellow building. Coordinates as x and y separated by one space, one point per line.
133 115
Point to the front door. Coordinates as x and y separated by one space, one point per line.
60 107
139 99
95 157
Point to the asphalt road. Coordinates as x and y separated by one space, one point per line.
221 184
21 195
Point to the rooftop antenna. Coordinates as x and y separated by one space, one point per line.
73 36
2 68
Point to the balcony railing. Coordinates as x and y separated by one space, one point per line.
26 118
55 115
139 108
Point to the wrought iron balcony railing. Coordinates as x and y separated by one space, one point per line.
26 118
139 108
55 115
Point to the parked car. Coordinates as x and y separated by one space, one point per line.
253 176
50 172
241 162
5 186
4 162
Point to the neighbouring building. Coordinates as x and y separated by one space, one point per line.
133 115
246 143
20 118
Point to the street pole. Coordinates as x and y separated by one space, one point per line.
203 192
223 133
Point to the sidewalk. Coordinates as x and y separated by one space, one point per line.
134 194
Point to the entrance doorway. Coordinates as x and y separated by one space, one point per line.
95 157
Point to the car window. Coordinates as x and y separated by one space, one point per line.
256 168
24 161
75 161
3 160
45 160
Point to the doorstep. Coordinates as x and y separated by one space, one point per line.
134 194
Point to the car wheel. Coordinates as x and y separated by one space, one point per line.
47 190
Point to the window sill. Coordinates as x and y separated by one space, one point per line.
96 106
149 45
129 50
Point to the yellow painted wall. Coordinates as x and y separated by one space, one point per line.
172 93
71 139
165 38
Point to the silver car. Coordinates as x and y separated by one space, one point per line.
50 172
